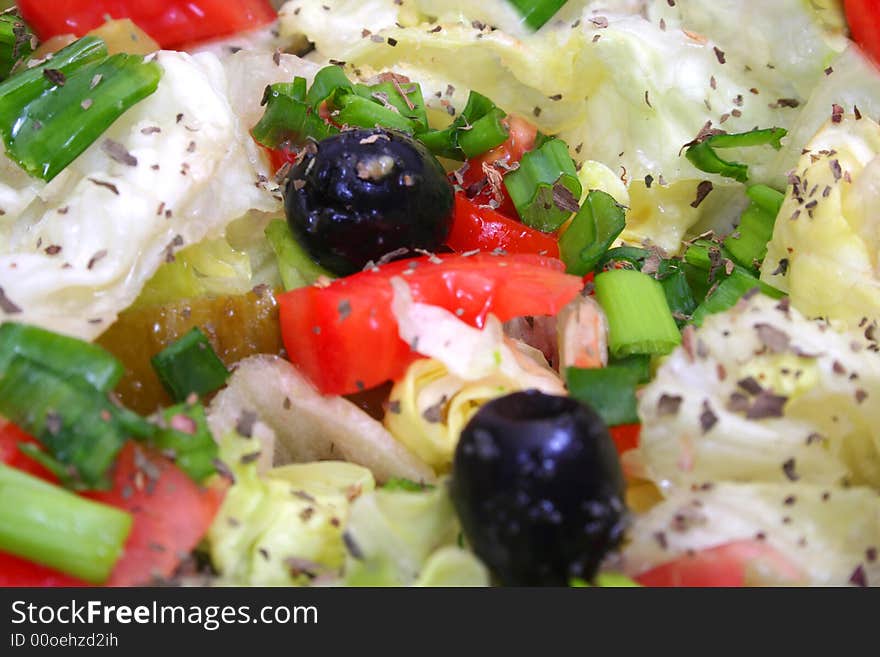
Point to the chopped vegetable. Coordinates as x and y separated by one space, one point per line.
480 227
173 23
185 438
703 156
16 43
53 527
545 188
189 366
535 13
52 129
593 229
610 391
639 318
344 337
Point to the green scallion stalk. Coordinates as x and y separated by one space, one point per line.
288 118
51 526
327 82
679 295
50 131
730 290
484 134
445 143
639 365
594 228
296 267
703 156
354 110
17 42
610 391
184 436
537 187
397 96
639 319
28 85
75 422
189 366
535 13
748 244
66 355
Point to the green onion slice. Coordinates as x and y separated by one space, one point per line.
594 228
189 366
703 156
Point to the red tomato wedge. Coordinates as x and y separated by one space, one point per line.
344 336
171 514
11 455
727 565
172 23
625 436
863 17
521 140
476 227
15 571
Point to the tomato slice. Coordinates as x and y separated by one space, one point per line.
863 17
344 336
625 436
171 514
172 23
726 565
11 455
481 227
15 571
521 139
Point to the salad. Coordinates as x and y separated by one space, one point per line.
440 293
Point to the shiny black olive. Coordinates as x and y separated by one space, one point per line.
362 194
538 488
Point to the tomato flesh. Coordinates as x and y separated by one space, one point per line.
863 17
344 337
726 565
172 23
15 571
521 139
171 514
625 436
482 228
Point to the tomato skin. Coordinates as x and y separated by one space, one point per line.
475 227
863 17
15 571
521 140
11 455
722 566
171 514
345 352
625 436
172 23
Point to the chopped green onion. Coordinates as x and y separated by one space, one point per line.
50 131
405 485
535 13
28 85
703 156
445 143
748 244
544 185
184 436
610 391
296 267
66 355
639 319
16 42
405 97
287 118
605 580
730 290
639 365
54 527
74 421
354 110
189 366
594 228
484 134
327 82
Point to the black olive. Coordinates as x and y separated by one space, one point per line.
362 194
537 484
